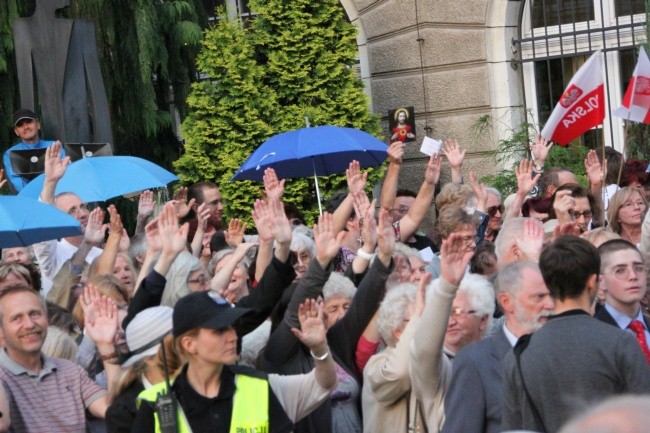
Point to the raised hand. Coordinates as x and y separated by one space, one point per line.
432 170
152 234
532 240
454 258
417 307
525 180
312 332
455 156
563 205
480 191
235 232
182 206
273 187
202 216
327 242
242 249
539 149
89 295
55 166
145 204
3 181
280 225
355 178
385 236
101 321
396 152
366 212
566 229
95 230
262 219
173 238
594 169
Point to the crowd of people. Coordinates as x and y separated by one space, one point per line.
527 313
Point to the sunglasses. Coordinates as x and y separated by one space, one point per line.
492 210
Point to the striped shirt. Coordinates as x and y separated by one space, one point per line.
52 400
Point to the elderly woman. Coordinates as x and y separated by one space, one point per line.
404 385
185 275
626 211
211 384
15 273
571 202
305 250
230 272
348 313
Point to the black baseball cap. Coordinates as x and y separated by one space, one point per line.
204 310
24 113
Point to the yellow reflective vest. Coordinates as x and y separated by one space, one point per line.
250 409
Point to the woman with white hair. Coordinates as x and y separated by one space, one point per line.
305 250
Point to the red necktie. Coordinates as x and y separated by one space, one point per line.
639 330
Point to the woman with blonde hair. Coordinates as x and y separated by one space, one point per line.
626 212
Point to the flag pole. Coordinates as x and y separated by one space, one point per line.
625 129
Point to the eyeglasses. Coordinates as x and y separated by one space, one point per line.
492 210
458 312
587 214
402 210
469 240
623 272
74 211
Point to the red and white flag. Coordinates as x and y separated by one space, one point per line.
636 102
582 105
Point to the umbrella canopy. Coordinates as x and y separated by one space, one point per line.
101 178
318 151
24 222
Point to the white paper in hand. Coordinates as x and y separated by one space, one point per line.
430 146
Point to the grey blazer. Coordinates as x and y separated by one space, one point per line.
473 400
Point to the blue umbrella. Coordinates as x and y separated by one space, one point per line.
101 178
318 151
24 222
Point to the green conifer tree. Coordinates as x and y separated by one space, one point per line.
302 54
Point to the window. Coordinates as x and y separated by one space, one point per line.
558 36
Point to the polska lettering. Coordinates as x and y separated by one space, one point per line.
258 429
585 107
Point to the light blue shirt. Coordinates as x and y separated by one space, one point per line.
623 321
17 181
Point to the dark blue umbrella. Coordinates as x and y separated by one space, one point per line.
101 178
24 222
317 151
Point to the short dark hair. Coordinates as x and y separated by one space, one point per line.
196 191
614 246
551 177
538 204
403 192
614 158
566 265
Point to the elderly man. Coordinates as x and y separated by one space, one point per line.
52 254
473 400
573 359
22 255
45 394
26 127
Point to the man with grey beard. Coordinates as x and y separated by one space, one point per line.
473 400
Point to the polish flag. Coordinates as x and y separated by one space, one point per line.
581 106
636 103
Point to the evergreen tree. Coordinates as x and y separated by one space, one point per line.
301 54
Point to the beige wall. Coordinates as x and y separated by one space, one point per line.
466 70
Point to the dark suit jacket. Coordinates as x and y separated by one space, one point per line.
603 315
473 399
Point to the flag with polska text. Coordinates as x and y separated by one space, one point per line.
581 106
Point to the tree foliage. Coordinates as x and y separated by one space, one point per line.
146 51
294 60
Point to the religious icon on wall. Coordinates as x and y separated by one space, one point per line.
401 122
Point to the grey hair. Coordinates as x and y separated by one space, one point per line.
393 309
176 286
480 295
338 285
511 230
405 250
220 255
138 247
63 194
59 344
495 192
609 415
300 242
509 278
29 250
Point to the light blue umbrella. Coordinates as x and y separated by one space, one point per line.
101 178
317 151
24 222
